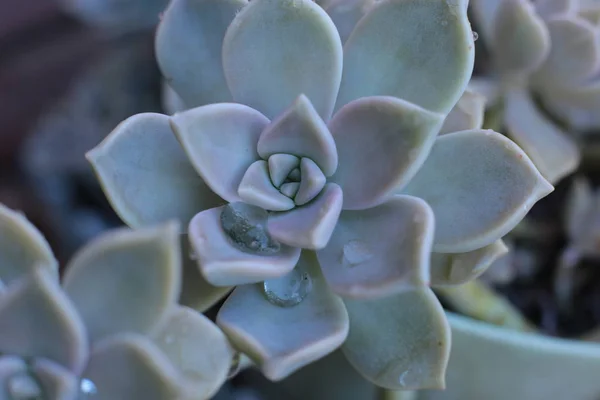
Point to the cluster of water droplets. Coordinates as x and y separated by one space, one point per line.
246 226
289 290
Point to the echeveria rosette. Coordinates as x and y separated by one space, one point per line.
283 109
549 49
112 330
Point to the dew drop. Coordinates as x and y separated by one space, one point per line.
356 252
87 389
235 365
288 290
475 36
23 386
402 378
444 22
246 227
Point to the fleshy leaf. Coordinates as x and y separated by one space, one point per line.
343 382
479 185
58 383
220 141
309 226
459 268
197 348
520 39
130 366
506 364
574 54
551 150
281 339
290 189
147 176
345 14
410 346
428 63
257 189
580 207
381 250
10 366
381 142
125 281
189 40
312 181
300 131
196 292
38 320
467 114
553 8
280 166
22 248
485 13
222 263
265 56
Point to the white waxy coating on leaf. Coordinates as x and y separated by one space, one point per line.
224 264
220 141
38 320
380 251
125 281
275 50
382 142
553 152
302 132
282 340
428 63
146 175
480 185
131 366
520 41
506 364
399 342
189 43
309 226
459 268
574 52
257 189
198 350
22 248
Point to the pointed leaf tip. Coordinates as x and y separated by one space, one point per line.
146 175
479 184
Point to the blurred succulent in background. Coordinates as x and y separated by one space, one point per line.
545 53
117 16
310 175
112 329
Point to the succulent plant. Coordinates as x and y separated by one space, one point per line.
116 15
310 175
544 52
112 329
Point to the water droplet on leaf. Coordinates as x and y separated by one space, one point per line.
356 252
246 226
290 289
23 386
402 379
87 389
475 36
